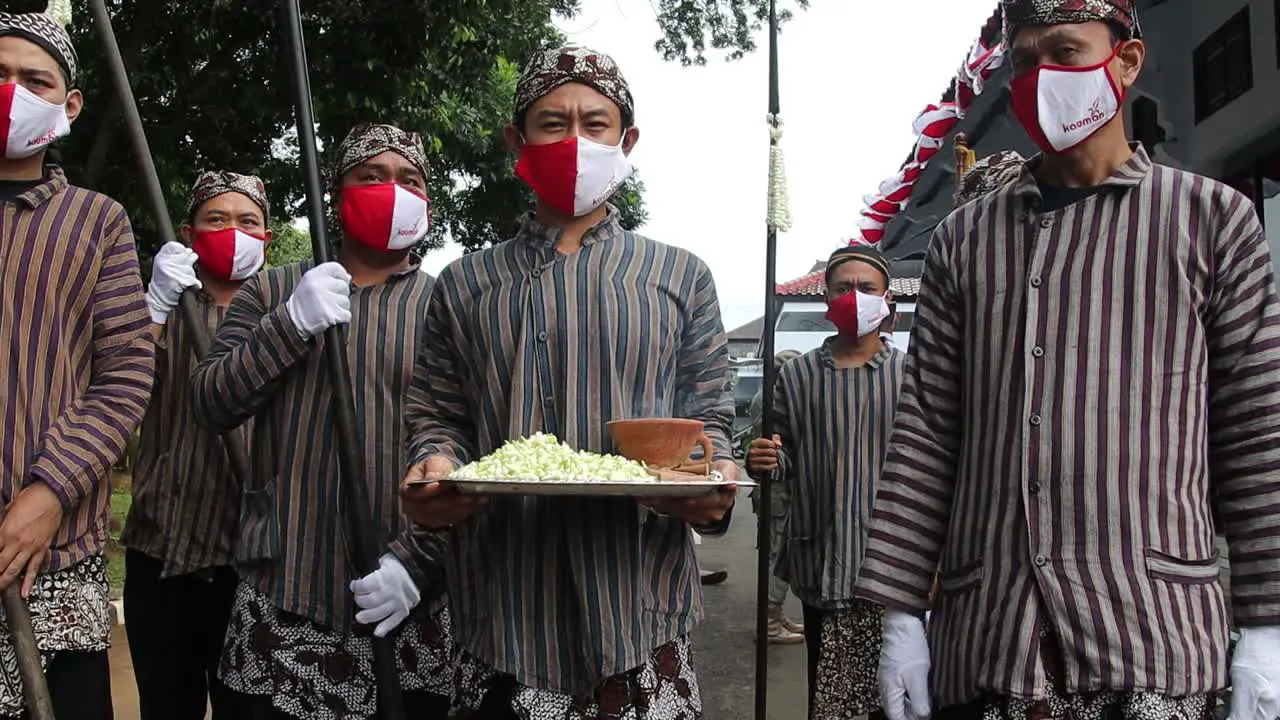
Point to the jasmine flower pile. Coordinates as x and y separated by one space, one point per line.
543 457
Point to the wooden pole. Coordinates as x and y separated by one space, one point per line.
358 516
764 518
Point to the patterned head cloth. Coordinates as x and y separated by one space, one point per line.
46 29
988 175
868 254
1019 14
213 183
549 69
368 140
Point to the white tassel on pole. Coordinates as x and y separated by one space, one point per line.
60 11
779 213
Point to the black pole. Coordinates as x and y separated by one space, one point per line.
237 456
765 516
360 530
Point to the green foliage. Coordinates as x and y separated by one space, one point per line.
691 27
289 244
213 88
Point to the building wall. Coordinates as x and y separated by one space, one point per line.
1226 144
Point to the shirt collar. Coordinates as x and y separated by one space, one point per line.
543 237
55 181
824 354
1130 174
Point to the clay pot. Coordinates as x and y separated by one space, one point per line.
659 442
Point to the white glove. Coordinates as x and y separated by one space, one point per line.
385 596
1255 675
904 667
172 272
321 300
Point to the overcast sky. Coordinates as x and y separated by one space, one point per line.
854 75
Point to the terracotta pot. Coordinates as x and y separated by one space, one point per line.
659 442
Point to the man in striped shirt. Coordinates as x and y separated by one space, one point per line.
834 409
186 502
782 629
570 607
77 368
1094 377
292 648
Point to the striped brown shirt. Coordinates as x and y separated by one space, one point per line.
1083 387
834 424
292 539
78 352
186 501
521 339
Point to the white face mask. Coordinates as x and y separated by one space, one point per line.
33 122
872 311
1061 107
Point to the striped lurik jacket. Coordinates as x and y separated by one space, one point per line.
1083 387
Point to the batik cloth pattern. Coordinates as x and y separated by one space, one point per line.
1106 705
213 183
70 611
1019 14
988 175
314 672
848 658
664 688
44 31
549 69
368 140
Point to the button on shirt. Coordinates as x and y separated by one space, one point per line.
1156 402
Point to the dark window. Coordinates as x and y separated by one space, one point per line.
744 391
904 322
813 321
1277 16
1223 66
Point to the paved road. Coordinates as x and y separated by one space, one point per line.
725 645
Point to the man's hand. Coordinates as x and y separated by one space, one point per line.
427 502
386 596
26 533
321 300
1255 675
172 272
762 456
705 510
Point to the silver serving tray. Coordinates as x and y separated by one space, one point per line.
592 488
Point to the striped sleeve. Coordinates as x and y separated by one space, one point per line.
914 498
79 448
253 349
1244 414
422 552
703 365
435 409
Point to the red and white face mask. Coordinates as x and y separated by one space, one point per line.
573 176
28 122
229 254
1061 107
385 216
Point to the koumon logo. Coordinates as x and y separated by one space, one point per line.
44 139
410 231
1094 117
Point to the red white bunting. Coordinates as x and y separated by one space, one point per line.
932 128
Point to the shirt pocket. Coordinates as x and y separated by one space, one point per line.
259 538
963 578
1165 567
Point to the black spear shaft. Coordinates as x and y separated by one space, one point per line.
191 315
356 506
765 516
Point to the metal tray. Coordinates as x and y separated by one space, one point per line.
593 488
